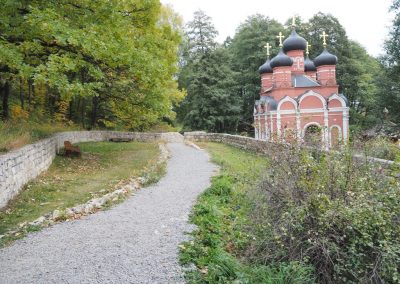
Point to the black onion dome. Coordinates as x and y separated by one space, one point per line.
265 68
281 60
325 58
309 65
294 42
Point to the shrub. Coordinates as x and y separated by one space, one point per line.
379 147
325 210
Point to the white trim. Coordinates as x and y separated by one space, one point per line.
309 124
326 70
312 110
336 97
345 125
267 135
272 127
282 72
313 94
325 130
338 109
278 125
287 99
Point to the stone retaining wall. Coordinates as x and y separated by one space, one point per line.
260 146
22 165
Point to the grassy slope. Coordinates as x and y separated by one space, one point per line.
17 134
221 237
71 181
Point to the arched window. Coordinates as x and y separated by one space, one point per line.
313 135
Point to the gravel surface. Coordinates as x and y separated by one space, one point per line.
134 242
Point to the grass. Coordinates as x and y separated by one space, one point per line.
221 216
17 134
102 168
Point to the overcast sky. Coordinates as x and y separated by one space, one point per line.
367 22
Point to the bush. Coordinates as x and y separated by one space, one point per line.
379 147
325 210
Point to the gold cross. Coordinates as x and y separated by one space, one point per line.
294 21
280 36
324 36
308 48
268 46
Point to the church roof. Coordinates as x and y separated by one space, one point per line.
269 102
281 60
309 65
325 58
265 68
303 81
294 42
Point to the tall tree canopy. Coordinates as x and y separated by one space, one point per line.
357 71
248 53
107 62
212 102
390 83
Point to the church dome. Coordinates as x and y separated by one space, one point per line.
294 42
265 68
325 58
281 60
309 65
269 103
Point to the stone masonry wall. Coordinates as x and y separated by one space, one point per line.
261 146
22 165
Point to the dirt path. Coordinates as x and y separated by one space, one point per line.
135 242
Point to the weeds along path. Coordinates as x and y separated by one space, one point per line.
134 242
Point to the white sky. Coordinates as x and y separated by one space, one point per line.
365 21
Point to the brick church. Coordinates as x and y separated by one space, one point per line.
299 97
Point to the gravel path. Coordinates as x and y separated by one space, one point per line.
134 242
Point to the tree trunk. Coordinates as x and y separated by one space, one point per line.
21 92
83 113
6 96
95 103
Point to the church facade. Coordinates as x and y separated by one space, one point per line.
299 99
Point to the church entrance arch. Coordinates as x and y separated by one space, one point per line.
313 135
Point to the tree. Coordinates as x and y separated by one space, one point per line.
357 72
206 75
390 86
91 59
248 54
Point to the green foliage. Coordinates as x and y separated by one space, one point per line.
102 63
221 218
380 147
359 75
248 54
330 212
390 85
211 103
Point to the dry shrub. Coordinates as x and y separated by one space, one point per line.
326 210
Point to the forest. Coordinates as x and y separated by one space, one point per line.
134 65
95 64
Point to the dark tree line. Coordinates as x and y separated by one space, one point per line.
222 80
